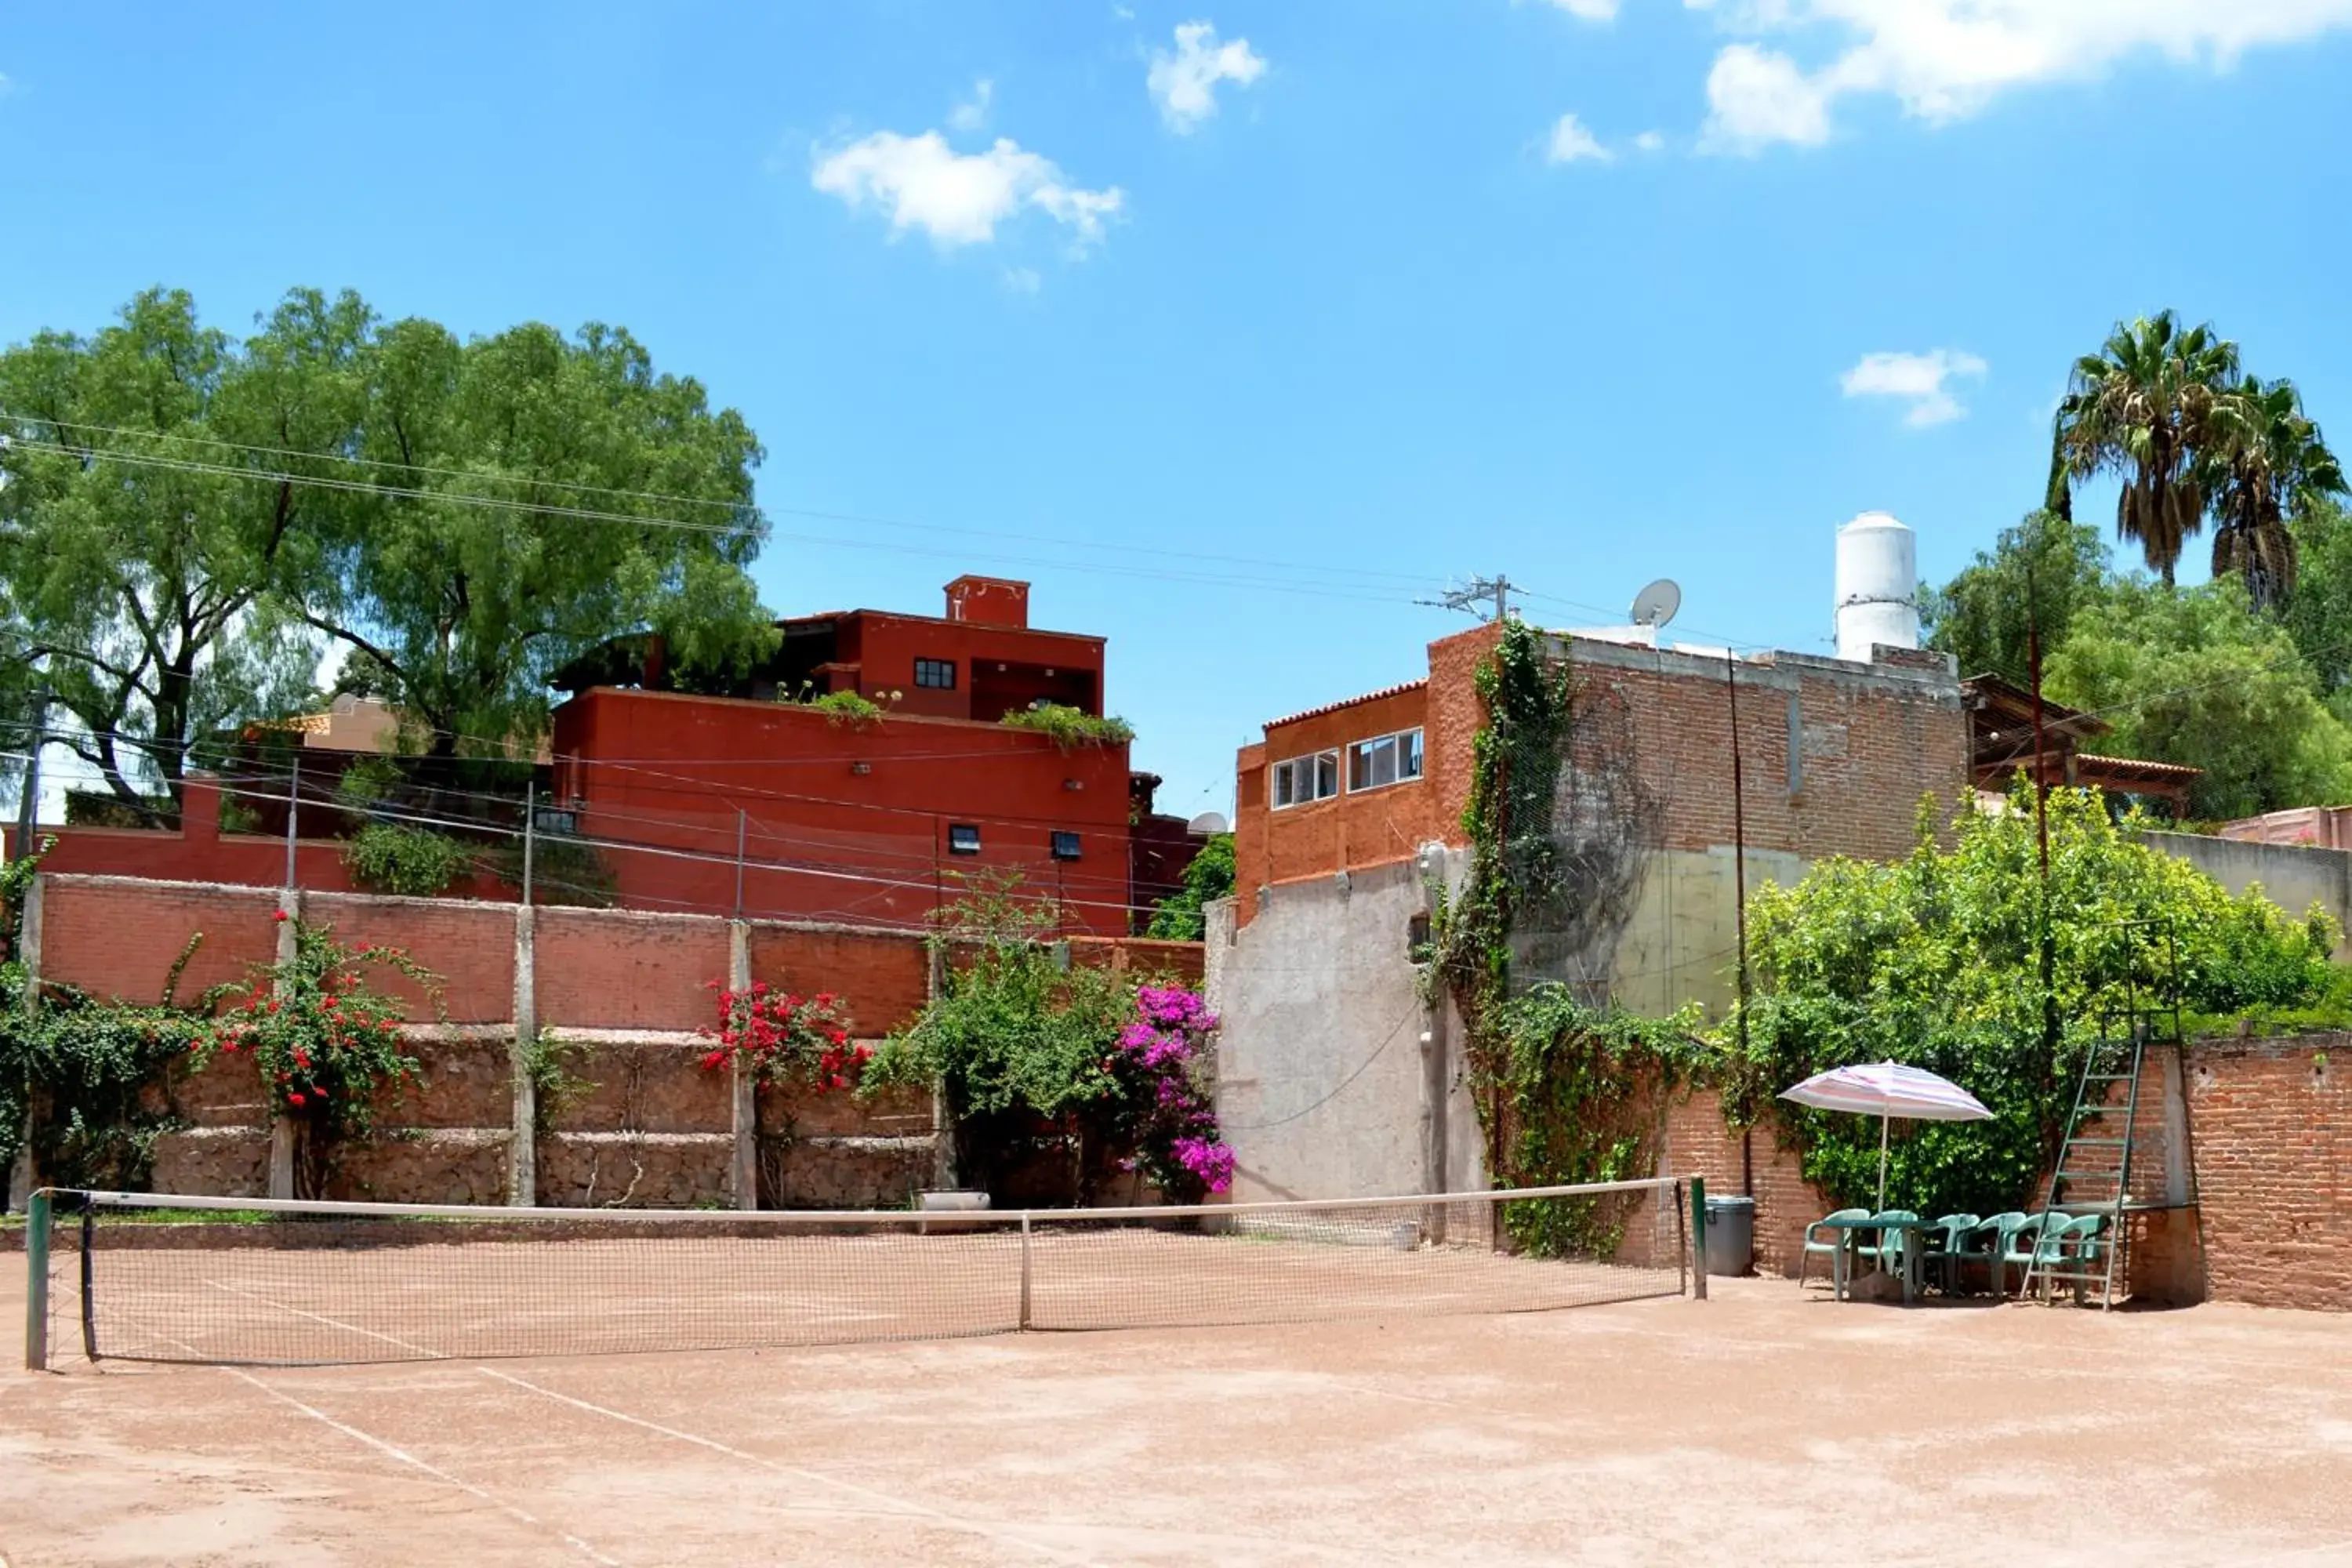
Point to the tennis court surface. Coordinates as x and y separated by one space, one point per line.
1436 1403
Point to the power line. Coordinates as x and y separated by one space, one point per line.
644 520
670 499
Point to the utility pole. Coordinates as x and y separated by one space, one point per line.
29 813
1740 895
530 821
1481 590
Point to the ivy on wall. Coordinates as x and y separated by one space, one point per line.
1568 1090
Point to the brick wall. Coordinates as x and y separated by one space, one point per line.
624 995
1697 1143
2271 1122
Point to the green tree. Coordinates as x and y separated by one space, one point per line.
2271 460
1935 961
537 495
2197 676
2057 567
2144 409
1179 917
143 570
2319 616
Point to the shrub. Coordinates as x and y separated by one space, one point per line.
784 1038
415 862
1070 727
324 1046
1179 917
1938 961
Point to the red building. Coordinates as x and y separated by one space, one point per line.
838 816
736 794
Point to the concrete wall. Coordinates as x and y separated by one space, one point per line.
1323 1089
1681 944
2293 875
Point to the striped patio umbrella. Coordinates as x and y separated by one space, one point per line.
1887 1091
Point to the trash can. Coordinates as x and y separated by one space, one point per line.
1730 1235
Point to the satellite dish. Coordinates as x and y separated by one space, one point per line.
1654 606
1208 822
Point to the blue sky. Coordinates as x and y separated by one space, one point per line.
1325 284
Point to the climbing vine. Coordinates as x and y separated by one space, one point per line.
1566 1084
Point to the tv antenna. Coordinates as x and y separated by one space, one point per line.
1495 590
1654 606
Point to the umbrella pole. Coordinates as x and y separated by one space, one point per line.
1882 1163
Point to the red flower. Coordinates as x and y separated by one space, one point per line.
714 1059
295 1097
279 917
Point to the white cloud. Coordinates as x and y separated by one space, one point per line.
1589 10
1649 141
959 199
1920 380
1946 59
1569 140
1755 96
972 114
1184 84
1022 279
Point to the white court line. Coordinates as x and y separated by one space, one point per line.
955 1521
897 1507
439 1474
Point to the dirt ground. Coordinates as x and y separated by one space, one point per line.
1762 1426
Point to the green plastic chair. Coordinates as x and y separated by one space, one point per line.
1947 1248
2014 1242
1886 1248
1838 1248
2072 1245
1985 1243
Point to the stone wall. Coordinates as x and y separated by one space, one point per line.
618 997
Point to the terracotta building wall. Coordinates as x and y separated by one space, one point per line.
836 821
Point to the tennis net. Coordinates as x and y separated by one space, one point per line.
152 1278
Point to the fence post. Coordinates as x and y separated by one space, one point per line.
529 823
523 1150
943 1160
281 1129
743 1167
24 1175
37 1283
1698 1238
293 815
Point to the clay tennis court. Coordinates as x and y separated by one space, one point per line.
1763 1425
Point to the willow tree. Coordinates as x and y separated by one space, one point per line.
530 496
145 570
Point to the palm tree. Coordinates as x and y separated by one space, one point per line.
2272 459
2144 408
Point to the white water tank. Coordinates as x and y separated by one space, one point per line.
1877 586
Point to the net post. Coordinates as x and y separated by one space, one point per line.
1682 1258
1698 1238
1025 1270
36 1281
89 1298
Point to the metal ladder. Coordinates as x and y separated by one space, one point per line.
2094 1161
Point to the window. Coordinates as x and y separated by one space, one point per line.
1304 779
1384 760
963 839
938 674
1066 845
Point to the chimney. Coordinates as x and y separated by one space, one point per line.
989 601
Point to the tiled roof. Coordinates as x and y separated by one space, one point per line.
1397 691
